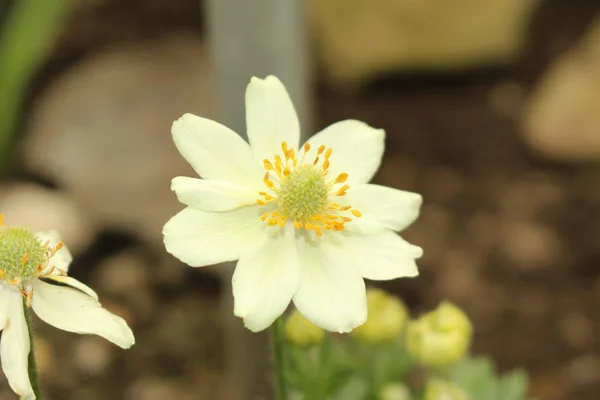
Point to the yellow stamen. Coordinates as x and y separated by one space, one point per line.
268 165
341 178
301 193
342 190
356 213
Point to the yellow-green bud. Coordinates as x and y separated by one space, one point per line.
386 317
21 254
439 338
302 332
437 389
394 391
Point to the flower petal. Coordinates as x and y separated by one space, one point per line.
5 290
265 281
357 149
381 256
63 258
270 118
330 294
212 195
68 281
215 151
70 310
200 238
381 208
15 346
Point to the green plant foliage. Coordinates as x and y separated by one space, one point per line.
27 35
353 367
477 377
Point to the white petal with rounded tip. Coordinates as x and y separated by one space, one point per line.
15 346
381 208
380 256
357 149
331 294
63 258
200 238
67 280
70 310
210 195
270 118
265 281
215 151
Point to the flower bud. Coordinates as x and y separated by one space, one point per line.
386 317
394 391
437 389
301 332
439 338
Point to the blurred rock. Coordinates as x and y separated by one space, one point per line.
127 276
528 196
91 354
585 370
102 130
562 118
360 39
124 273
530 246
40 209
577 330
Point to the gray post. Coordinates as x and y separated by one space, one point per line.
253 38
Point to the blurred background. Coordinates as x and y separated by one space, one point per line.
492 113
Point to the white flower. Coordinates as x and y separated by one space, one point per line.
33 272
302 221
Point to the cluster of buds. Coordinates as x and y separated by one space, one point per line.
301 332
387 318
439 338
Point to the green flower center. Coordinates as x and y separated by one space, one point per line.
302 194
21 254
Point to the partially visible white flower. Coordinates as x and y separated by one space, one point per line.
302 220
33 273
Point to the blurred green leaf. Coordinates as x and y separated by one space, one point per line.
477 377
31 28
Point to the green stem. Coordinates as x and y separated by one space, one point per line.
32 367
277 353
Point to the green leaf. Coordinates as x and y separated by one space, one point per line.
30 30
477 377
